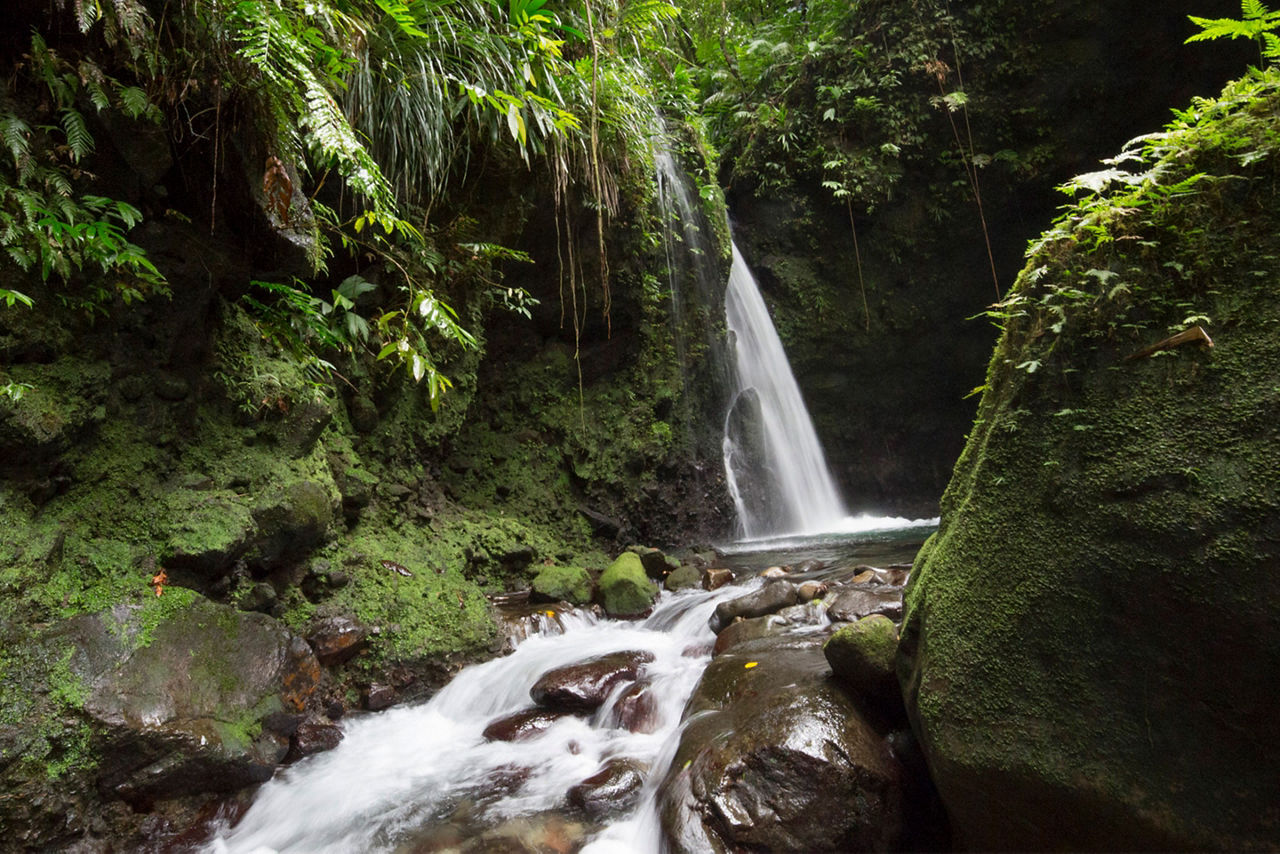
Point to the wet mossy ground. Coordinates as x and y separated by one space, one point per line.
1084 634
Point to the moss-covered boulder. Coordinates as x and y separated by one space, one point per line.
862 656
1088 636
562 584
683 578
625 589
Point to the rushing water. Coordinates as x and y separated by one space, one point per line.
773 462
403 779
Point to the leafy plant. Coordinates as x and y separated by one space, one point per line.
1256 22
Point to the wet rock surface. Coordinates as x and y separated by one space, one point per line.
183 714
780 759
337 639
584 687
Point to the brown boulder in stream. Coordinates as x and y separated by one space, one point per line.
583 687
781 760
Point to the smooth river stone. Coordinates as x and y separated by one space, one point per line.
583 687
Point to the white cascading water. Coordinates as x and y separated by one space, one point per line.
402 771
789 474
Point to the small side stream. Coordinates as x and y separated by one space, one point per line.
424 778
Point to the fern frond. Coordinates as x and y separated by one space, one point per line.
16 135
79 140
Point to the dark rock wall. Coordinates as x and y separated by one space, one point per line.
1052 88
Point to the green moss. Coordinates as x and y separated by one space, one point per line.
625 589
567 583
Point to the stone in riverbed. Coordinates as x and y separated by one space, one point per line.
684 578
636 710
583 687
716 577
522 725
625 589
847 604
656 564
313 737
611 790
772 597
747 630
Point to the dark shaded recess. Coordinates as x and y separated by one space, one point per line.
889 402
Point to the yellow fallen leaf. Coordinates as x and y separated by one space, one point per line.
750 664
551 613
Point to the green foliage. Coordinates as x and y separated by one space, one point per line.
1256 23
1096 259
45 224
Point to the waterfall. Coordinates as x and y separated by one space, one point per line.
774 465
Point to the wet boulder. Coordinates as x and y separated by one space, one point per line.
636 709
776 757
313 737
583 687
522 725
613 789
625 589
562 584
656 564
773 596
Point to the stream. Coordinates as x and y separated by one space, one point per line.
425 777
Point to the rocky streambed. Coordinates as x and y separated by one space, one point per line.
761 714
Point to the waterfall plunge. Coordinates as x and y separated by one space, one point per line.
774 464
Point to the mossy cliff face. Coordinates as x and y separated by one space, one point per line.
1088 635
882 337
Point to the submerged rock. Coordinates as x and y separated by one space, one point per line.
613 789
625 589
775 757
583 687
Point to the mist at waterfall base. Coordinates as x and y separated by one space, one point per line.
424 778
